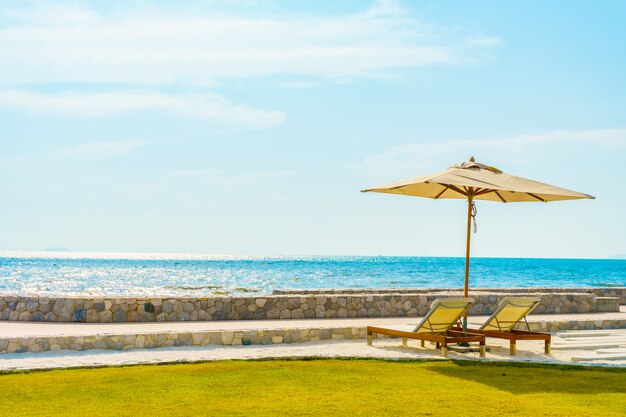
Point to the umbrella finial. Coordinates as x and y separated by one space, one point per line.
472 159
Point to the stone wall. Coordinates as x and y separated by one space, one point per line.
167 339
131 309
242 337
599 291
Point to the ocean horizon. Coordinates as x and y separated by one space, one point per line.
179 274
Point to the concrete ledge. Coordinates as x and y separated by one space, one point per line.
619 292
607 304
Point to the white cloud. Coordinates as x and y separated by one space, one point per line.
222 180
42 13
98 149
300 84
67 44
85 152
405 159
204 106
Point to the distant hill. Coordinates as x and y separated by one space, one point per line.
58 250
622 256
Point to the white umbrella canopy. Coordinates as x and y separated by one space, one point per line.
479 181
475 181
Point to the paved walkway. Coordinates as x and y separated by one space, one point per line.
40 329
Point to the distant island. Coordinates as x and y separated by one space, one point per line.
58 250
621 256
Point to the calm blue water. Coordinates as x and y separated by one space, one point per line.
75 274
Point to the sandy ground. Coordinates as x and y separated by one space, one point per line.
530 351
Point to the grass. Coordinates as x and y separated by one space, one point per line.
318 387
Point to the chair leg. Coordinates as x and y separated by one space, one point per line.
422 343
444 350
482 350
547 347
369 339
513 348
404 341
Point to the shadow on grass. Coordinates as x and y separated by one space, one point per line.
526 378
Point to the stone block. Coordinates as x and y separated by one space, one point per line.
119 315
79 316
106 317
273 313
140 341
167 307
65 315
227 338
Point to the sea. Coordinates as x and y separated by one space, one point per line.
110 274
100 274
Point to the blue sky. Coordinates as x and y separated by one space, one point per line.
244 127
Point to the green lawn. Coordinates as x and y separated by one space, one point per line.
317 387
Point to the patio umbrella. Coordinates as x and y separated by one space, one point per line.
475 181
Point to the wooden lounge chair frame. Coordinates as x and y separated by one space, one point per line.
439 333
505 327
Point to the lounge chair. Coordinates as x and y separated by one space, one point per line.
435 326
510 311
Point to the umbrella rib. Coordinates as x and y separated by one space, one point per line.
537 197
457 189
483 191
487 191
445 188
499 196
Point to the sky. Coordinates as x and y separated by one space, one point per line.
249 127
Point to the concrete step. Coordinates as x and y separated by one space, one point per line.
587 346
605 339
586 333
600 357
621 349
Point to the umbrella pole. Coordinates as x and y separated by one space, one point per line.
470 200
